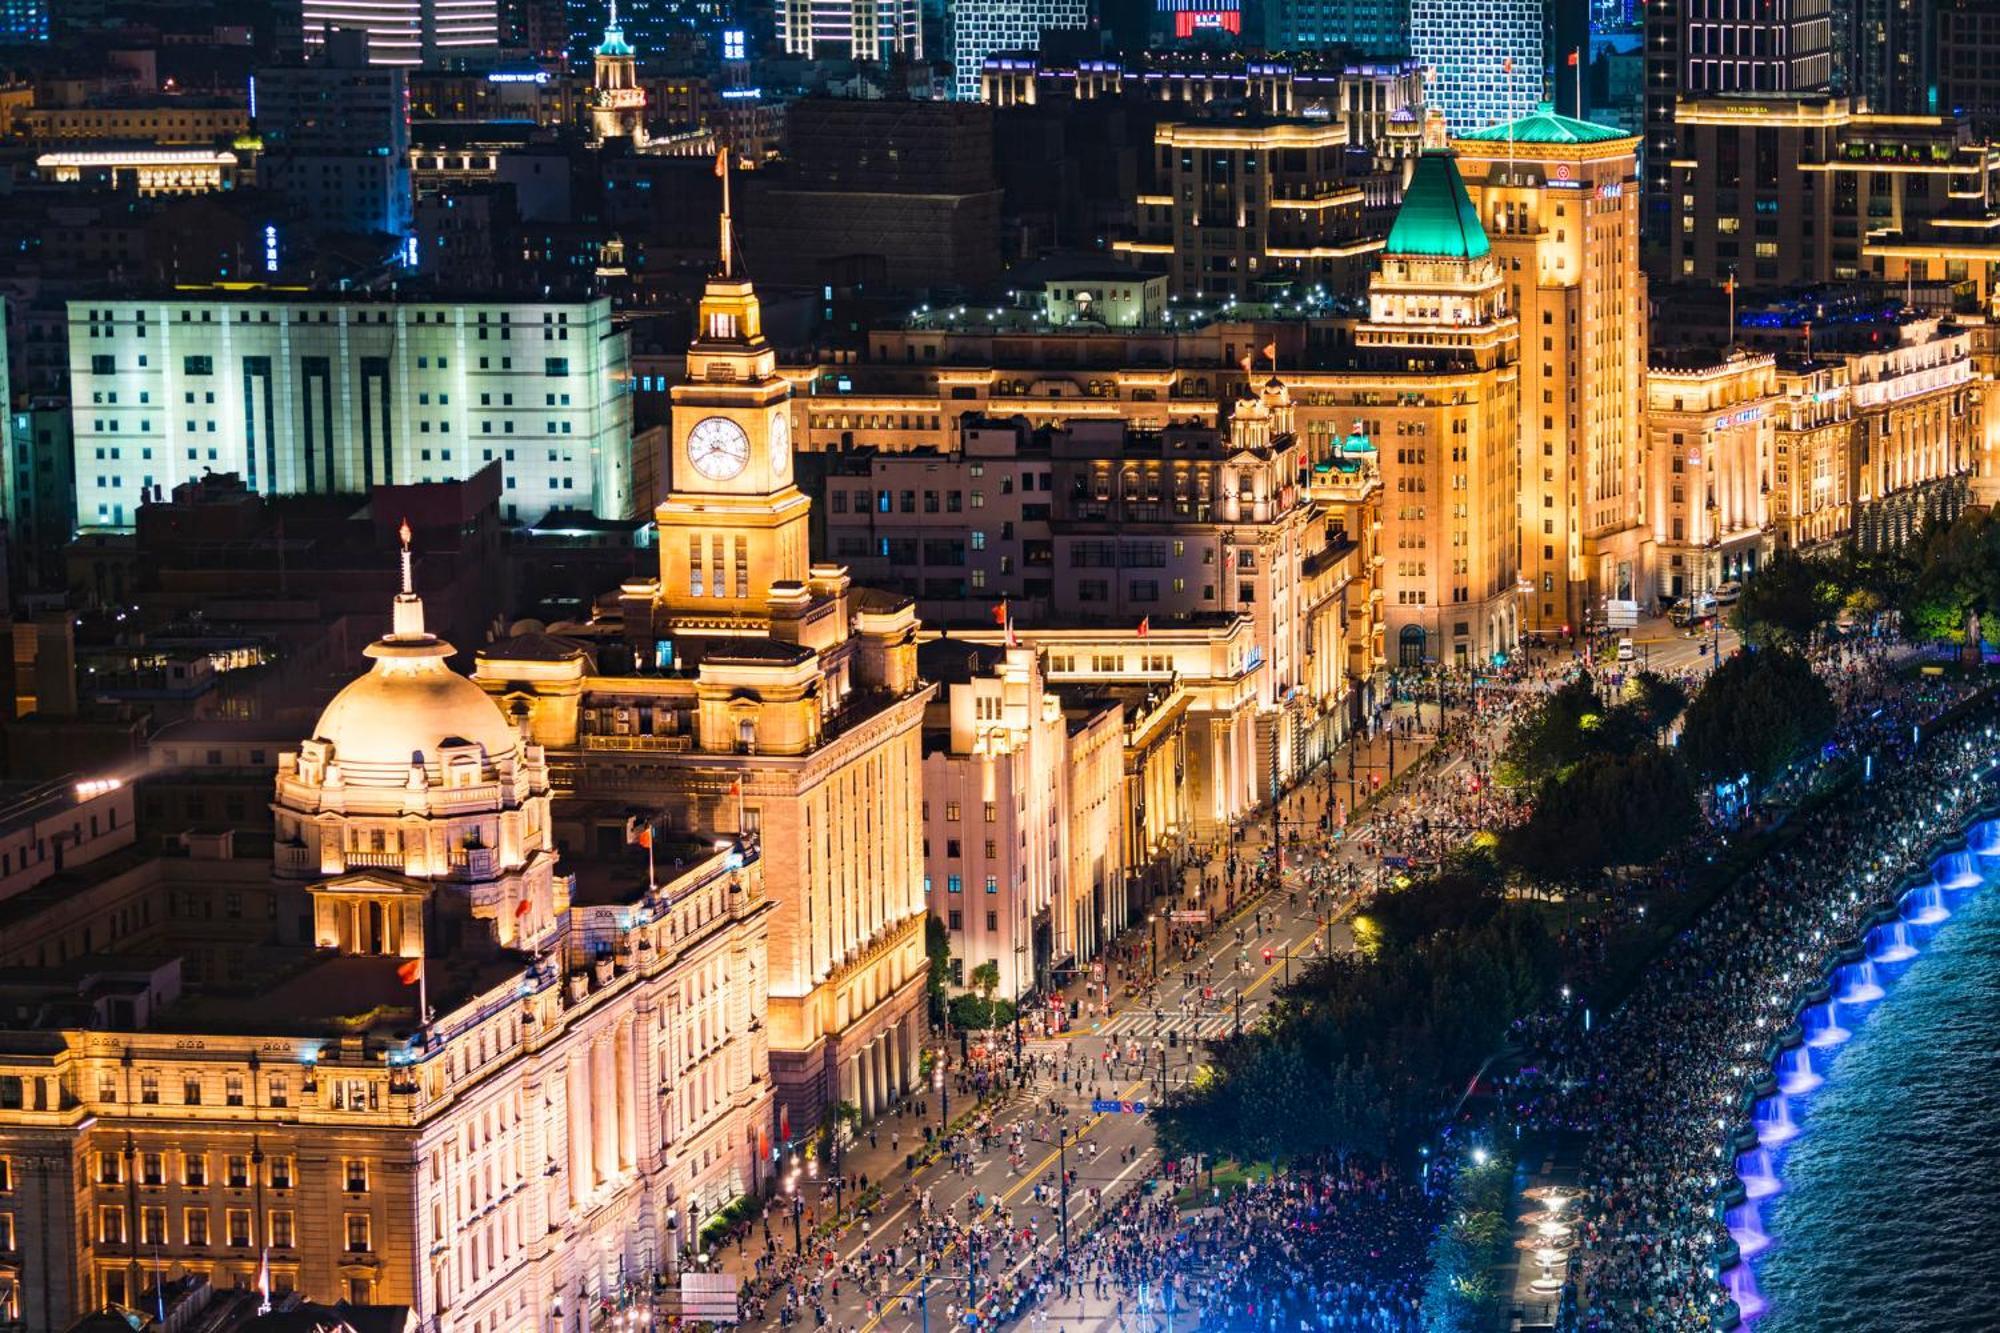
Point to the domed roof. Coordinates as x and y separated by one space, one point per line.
403 710
409 703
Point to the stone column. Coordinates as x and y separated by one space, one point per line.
850 1083
892 1060
604 1110
576 1081
628 1129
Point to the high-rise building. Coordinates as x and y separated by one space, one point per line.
306 392
1892 54
1288 215
336 136
1485 57
1968 63
1437 391
1705 48
1560 201
852 29
436 33
1373 27
1779 191
977 29
746 692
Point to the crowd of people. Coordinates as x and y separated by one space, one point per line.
1657 1086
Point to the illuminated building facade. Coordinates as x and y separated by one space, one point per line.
980 28
617 102
1786 191
1559 198
436 33
144 171
748 693
411 1061
1711 423
1436 390
1249 206
305 392
852 29
1484 59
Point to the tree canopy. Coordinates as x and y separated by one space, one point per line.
1784 603
1754 714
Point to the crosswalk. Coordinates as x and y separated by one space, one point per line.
1140 1024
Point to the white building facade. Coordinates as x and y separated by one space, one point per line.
303 392
856 29
981 28
1483 59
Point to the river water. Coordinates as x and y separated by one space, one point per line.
1889 1221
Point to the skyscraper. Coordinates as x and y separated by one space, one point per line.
1373 27
436 33
1485 58
337 137
1697 48
980 28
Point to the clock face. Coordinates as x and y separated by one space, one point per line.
781 443
718 448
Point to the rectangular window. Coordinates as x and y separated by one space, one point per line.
236 1171
356 1176
237 1221
194 1170
195 1226
357 1233
993 884
281 1230
111 1225
555 365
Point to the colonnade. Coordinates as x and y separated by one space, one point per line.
601 1086
883 1069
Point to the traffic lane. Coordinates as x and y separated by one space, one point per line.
952 1290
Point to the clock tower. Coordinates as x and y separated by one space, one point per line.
733 522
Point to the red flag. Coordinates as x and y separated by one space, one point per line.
645 838
410 971
1507 65
1271 353
1573 53
1000 613
722 161
522 908
1145 625
1245 363
736 787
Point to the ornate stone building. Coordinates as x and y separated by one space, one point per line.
423 1066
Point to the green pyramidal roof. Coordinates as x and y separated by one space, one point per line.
1437 218
1545 126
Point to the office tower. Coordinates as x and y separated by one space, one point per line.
979 28
1706 48
1485 58
434 33
1559 198
1372 27
1287 216
1968 63
332 393
336 138
852 29
1892 54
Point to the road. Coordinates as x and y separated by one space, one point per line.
1202 998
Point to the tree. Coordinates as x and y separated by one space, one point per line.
1786 601
1755 713
1610 810
1654 700
985 979
1552 735
937 947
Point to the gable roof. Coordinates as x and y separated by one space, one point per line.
1437 218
